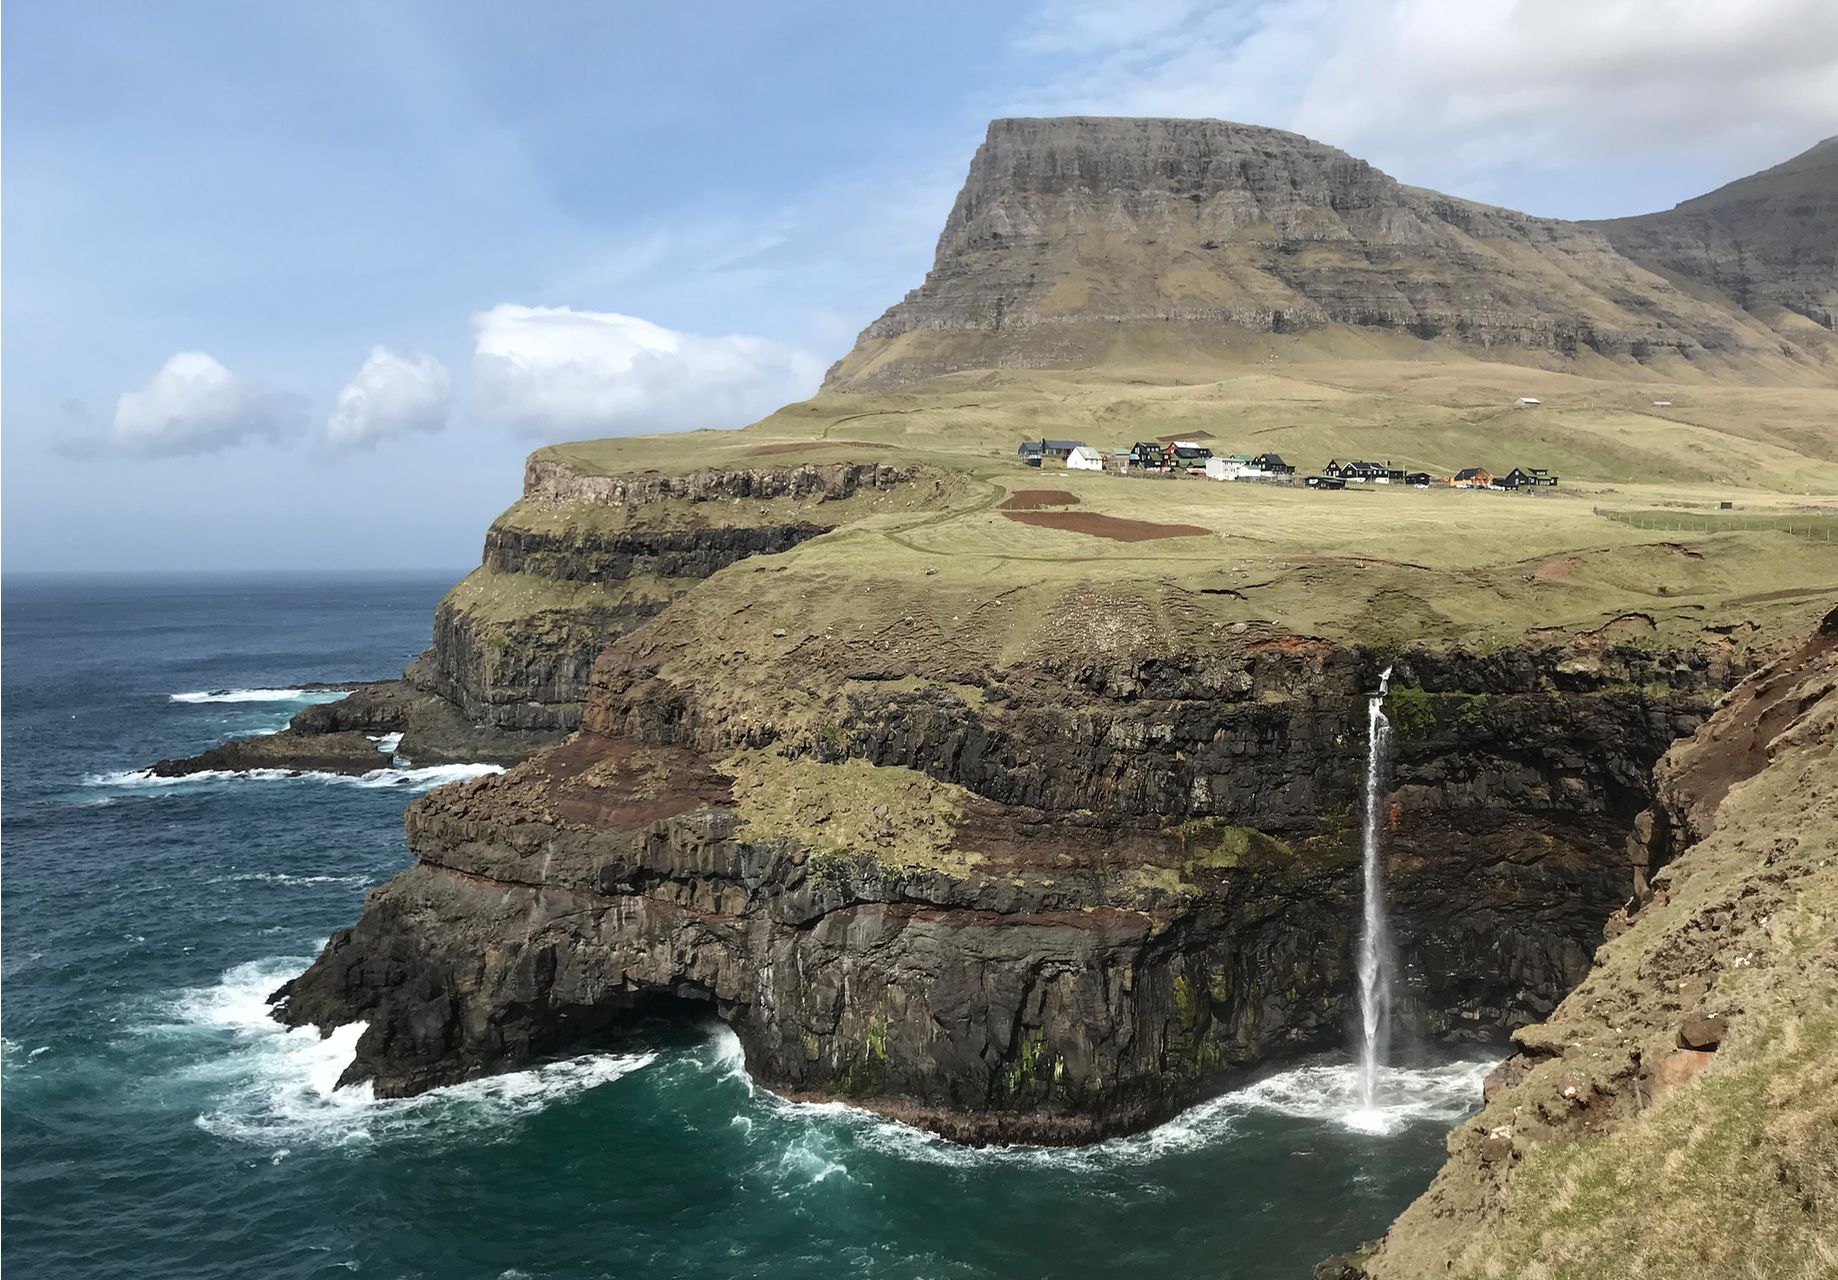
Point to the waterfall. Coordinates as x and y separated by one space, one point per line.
1374 945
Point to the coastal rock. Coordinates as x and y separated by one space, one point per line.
1136 898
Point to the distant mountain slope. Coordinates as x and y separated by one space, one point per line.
1768 242
1074 238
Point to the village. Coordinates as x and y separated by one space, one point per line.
1186 456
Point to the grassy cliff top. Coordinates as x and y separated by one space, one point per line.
938 566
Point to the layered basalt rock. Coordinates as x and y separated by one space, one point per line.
514 644
525 668
1692 1076
1768 242
1141 892
1074 238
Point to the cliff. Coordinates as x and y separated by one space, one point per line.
1076 240
1768 243
1042 899
578 561
1678 1112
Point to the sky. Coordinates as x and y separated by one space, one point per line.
298 285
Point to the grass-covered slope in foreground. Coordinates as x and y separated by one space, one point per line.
1678 1113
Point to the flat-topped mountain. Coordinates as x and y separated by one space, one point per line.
1086 239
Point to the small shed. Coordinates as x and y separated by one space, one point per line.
1325 482
1527 402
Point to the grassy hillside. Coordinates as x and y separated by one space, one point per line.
1380 564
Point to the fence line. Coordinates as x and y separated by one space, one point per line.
1817 528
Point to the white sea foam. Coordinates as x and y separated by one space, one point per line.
386 742
283 878
275 1086
262 695
393 776
1327 1093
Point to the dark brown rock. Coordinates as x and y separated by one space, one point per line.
1703 1034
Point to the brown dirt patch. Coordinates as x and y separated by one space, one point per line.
1113 527
1190 435
1558 570
618 784
1035 499
798 446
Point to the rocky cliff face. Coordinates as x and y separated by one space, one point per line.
583 559
1678 1112
1075 236
1049 905
1768 242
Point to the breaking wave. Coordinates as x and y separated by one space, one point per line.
262 695
411 778
1323 1092
275 1087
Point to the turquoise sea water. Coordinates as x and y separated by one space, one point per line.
156 1123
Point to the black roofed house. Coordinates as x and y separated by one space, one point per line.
1325 482
1369 472
1033 451
1147 453
1514 479
1333 469
1420 479
1272 464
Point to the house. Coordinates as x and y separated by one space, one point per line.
1235 466
1084 458
1189 454
1525 478
1417 479
1029 452
1325 482
1472 478
1366 472
1148 455
1273 465
1332 469
1048 448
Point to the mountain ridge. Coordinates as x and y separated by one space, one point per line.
1074 234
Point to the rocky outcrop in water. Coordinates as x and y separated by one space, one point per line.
1083 239
514 644
1147 882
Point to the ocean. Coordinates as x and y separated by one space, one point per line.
156 1123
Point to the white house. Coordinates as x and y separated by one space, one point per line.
1084 458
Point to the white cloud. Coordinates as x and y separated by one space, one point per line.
556 372
1466 94
390 396
194 405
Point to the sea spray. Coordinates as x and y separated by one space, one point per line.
1374 945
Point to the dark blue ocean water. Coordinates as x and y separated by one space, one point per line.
157 1124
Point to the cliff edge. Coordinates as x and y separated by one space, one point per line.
1678 1113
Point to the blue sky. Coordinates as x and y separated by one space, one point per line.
297 285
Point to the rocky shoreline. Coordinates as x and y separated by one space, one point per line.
1132 899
